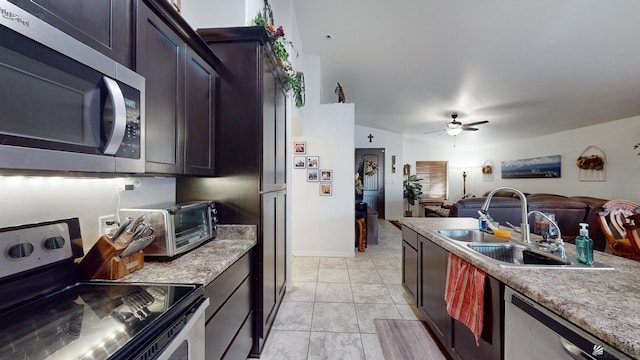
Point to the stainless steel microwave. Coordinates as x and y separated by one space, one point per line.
63 105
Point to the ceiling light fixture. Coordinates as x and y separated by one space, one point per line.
454 131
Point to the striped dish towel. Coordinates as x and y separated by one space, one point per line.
464 294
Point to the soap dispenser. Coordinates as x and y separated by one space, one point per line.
584 245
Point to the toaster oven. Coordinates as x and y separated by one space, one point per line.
178 228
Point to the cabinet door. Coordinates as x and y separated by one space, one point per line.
410 270
269 236
103 25
281 245
160 59
268 126
200 89
433 262
463 343
281 136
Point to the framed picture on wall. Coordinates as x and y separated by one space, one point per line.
326 175
313 162
299 162
539 167
325 189
299 148
312 175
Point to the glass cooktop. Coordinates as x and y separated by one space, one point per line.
91 320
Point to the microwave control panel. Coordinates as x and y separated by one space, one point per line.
130 147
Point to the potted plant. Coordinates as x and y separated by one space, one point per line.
412 192
295 79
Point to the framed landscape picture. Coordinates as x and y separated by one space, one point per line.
326 175
538 167
325 189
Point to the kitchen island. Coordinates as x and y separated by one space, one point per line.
604 303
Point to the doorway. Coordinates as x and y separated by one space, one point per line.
370 166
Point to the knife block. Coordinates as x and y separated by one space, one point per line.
103 261
120 267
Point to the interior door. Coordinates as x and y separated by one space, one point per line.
370 166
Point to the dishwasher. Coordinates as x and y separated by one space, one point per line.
533 332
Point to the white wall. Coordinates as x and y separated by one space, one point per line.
324 225
615 138
215 13
26 200
231 13
392 143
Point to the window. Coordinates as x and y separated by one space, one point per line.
434 175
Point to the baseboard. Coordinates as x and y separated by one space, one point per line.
325 253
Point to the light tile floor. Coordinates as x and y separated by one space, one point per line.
329 312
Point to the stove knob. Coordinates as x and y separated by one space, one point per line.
54 243
21 250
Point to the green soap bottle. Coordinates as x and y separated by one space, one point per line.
584 245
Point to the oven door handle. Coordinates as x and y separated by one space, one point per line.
187 333
118 118
573 350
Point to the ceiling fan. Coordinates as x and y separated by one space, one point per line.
455 127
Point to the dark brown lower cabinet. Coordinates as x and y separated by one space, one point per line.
457 340
229 324
490 345
410 262
433 271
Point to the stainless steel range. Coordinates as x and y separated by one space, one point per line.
46 312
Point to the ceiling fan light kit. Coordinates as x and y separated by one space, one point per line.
455 127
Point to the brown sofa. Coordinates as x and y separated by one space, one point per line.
569 212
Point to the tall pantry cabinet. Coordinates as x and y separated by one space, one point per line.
251 183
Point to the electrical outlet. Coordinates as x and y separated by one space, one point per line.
107 224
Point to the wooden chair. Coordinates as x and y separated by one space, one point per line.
361 234
612 221
633 232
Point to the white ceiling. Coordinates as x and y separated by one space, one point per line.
529 67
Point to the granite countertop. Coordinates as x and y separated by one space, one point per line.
604 303
203 264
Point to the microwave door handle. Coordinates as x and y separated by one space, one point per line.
114 139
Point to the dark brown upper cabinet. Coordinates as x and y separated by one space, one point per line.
104 25
181 97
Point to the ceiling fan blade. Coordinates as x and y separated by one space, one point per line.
434 131
476 123
465 128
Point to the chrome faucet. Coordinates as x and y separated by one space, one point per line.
524 225
559 243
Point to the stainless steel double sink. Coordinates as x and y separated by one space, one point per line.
511 253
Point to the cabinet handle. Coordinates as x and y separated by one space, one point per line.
116 120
